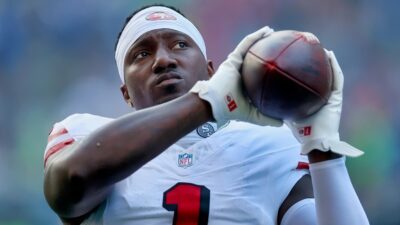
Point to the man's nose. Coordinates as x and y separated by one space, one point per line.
163 61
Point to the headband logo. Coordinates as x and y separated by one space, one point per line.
160 16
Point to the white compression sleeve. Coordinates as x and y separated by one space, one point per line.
336 201
301 213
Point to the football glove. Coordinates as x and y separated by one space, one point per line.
224 90
320 131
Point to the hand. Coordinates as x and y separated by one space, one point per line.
224 90
320 131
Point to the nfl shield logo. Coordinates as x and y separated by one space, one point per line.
185 160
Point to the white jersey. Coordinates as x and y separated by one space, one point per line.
241 174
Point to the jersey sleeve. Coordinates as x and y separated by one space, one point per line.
289 166
285 166
70 130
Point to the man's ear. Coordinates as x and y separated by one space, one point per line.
126 96
210 68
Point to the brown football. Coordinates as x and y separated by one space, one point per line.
287 75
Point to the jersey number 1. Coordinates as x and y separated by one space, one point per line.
189 202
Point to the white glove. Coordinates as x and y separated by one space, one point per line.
224 90
321 130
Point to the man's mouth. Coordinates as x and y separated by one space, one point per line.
168 79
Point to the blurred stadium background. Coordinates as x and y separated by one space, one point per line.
57 58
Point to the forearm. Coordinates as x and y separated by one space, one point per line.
132 140
336 201
117 150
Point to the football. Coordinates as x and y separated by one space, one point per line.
287 75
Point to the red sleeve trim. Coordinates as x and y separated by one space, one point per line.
56 134
302 166
57 148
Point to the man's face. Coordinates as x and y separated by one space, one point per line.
162 65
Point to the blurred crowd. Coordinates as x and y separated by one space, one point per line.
57 58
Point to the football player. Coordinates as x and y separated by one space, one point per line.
195 151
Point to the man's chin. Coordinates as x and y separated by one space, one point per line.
169 97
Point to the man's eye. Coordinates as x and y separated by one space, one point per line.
140 55
181 45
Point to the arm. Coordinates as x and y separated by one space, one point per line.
336 201
78 180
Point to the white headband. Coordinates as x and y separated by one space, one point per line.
152 18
